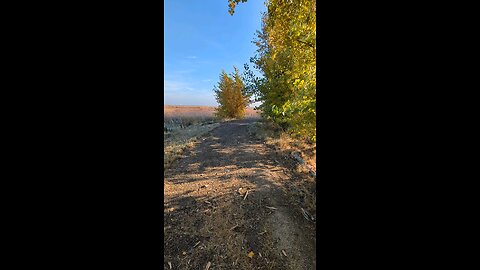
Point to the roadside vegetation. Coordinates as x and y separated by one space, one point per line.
282 76
303 152
286 63
177 141
182 127
297 155
231 96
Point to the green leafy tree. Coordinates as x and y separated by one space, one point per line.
286 60
231 95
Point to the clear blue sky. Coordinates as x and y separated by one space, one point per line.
200 39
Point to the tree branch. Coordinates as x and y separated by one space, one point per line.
306 43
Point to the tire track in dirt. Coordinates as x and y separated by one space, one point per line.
227 198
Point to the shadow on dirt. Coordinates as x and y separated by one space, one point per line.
210 217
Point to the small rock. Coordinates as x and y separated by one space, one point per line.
204 186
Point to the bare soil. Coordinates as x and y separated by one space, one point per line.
231 196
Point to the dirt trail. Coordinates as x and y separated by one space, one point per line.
208 218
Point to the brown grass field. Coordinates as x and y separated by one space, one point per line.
173 111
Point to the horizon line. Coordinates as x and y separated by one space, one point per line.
198 105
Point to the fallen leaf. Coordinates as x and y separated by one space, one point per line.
250 254
170 265
283 251
208 266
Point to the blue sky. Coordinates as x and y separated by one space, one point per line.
200 39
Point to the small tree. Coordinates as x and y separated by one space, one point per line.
231 96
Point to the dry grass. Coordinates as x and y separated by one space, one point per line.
307 151
188 112
197 112
177 141
286 144
183 125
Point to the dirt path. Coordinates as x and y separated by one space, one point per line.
208 218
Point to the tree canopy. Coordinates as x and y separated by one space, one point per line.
231 95
286 59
